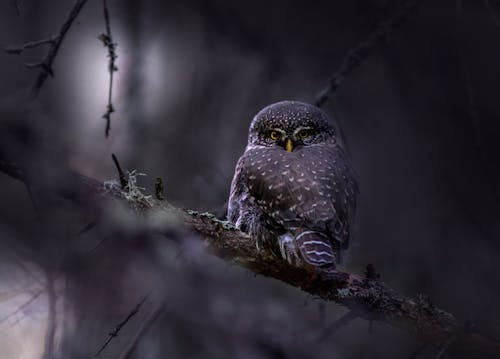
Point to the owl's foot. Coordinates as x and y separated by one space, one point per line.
288 249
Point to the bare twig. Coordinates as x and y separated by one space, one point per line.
119 327
54 48
121 174
159 191
99 244
144 329
336 325
55 43
107 41
12 170
87 227
31 195
359 53
51 323
22 307
17 6
17 50
28 271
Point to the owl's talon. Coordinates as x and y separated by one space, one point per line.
288 249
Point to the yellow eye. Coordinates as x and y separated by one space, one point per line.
304 133
274 135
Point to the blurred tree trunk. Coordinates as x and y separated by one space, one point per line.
133 14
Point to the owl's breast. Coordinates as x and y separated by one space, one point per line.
311 185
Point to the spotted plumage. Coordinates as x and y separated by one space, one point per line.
294 187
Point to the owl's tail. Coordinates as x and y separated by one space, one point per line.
316 249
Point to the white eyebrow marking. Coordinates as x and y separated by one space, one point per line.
277 129
301 128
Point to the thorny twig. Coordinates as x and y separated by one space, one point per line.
119 327
107 41
55 43
359 53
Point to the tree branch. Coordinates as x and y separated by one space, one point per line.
119 327
18 50
107 41
55 43
23 306
358 54
366 298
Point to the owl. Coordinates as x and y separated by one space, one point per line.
294 188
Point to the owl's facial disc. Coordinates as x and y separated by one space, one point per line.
288 138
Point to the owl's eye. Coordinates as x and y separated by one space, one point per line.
304 133
274 135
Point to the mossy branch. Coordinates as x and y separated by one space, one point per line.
367 298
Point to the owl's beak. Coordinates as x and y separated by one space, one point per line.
289 145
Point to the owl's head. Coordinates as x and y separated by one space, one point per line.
290 125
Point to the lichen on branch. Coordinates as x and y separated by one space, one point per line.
366 297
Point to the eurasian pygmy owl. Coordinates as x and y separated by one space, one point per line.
294 187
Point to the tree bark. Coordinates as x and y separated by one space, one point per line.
366 298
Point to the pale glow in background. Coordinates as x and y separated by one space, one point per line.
84 65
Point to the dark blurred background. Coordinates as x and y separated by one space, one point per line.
419 116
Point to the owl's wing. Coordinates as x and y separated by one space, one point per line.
342 202
242 208
233 206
